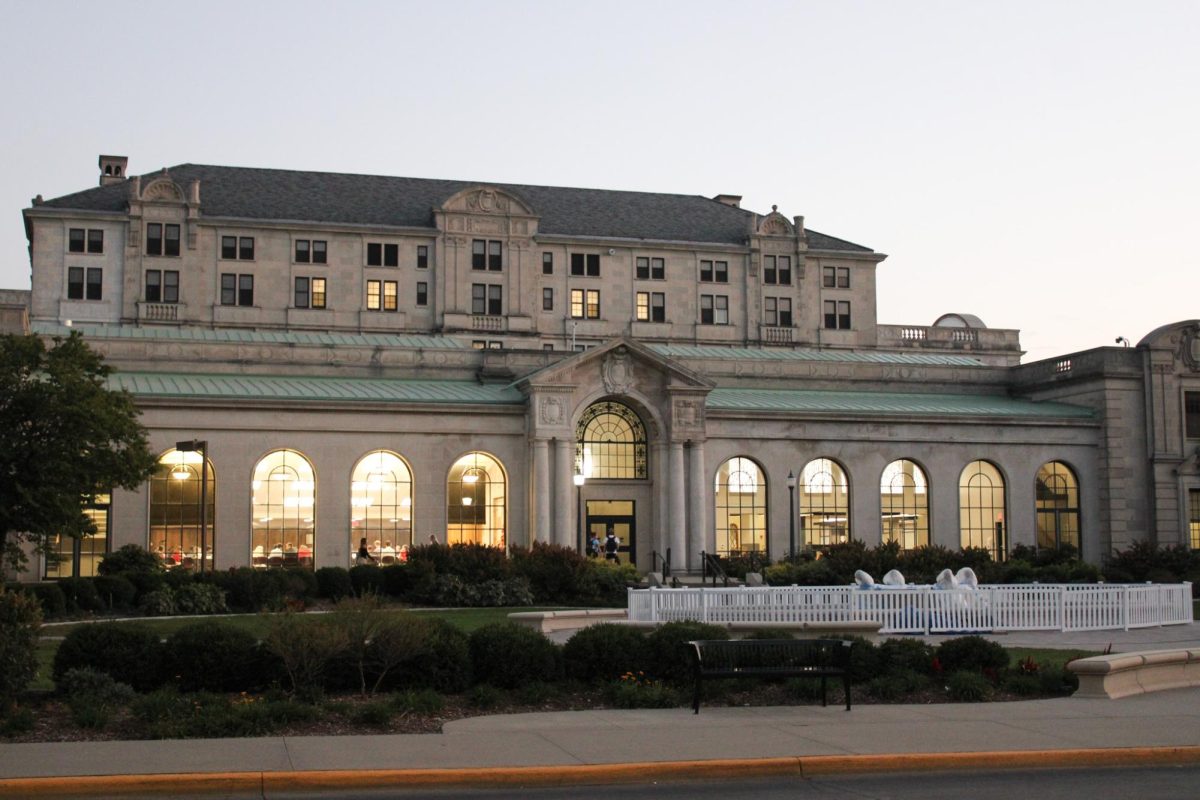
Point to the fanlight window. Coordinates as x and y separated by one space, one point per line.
475 501
904 504
175 489
741 507
824 503
1057 492
981 508
282 508
381 507
610 443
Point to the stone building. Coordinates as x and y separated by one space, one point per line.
395 359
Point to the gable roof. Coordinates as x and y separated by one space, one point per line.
331 197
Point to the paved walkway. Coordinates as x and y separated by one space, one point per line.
606 746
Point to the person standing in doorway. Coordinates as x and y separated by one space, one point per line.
611 545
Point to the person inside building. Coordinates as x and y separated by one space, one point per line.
593 547
612 545
364 554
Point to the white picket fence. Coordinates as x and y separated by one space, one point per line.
926 609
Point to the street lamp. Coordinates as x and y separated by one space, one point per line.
201 447
579 481
791 484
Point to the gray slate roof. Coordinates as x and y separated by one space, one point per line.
332 197
688 351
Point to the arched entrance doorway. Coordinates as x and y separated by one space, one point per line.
610 457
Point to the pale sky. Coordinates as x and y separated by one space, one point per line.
1033 163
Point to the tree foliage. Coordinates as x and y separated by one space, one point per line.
64 437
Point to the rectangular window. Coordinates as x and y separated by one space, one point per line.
547 299
837 315
593 304
587 264
643 271
642 308
547 263
237 247
373 295
829 277
577 263
171 243
303 251
154 241
714 309
785 270
75 240
714 271
658 307
74 283
785 312
422 256
95 241
495 259
95 283
153 286
770 271
495 299
843 278
301 293
228 247
486 254
320 251
658 269
246 248
318 292
706 271
374 254
1191 414
170 289
487 298
391 255
228 289
80 240
390 296
844 314
422 293
1194 517
479 254
245 290
577 303
777 311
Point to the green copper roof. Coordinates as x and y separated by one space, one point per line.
273 387
887 403
237 336
781 354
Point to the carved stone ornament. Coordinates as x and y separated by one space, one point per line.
617 372
687 413
487 201
1189 349
163 189
551 410
775 224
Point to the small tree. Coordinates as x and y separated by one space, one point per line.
64 437
20 620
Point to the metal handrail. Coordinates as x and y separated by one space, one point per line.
711 566
655 557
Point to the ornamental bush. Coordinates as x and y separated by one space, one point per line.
128 653
553 571
971 653
904 653
669 657
51 598
509 655
129 558
443 661
215 657
81 594
200 598
605 652
116 591
367 579
968 687
20 621
333 583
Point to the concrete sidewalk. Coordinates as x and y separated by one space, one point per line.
610 746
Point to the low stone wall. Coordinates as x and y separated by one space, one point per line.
1124 674
550 621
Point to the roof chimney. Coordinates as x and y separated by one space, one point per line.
734 200
112 169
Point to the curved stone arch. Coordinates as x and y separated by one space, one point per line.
831 523
641 405
163 189
389 531
971 531
160 538
908 535
638 454
730 523
463 525
775 224
1058 524
485 199
292 528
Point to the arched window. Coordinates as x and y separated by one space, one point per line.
284 492
904 504
381 506
175 509
610 442
1057 493
981 508
824 503
475 497
741 506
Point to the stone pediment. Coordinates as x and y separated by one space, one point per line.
775 224
619 363
162 190
487 200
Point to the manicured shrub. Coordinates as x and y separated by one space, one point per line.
170 715
865 659
20 621
81 594
802 573
1022 684
200 598
1057 680
145 582
922 564
476 563
553 571
178 577
116 591
159 603
129 558
670 658
898 685
128 653
606 584
968 687
367 579
485 696
971 653
93 696
1019 571
305 647
300 584
903 654
605 652
215 657
508 655
51 598
443 661
333 583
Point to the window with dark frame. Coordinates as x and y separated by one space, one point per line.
228 289
585 264
777 270
547 299
714 309
74 283
422 293
843 278
422 256
374 295
829 277
95 241
310 292
162 239
162 286
495 257
487 254
777 311
76 240
310 251
487 298
649 268
318 292
380 254
301 298
714 271
547 263
240 248
837 314
585 303
1191 414
391 296
95 284
245 290
237 290
642 271
651 307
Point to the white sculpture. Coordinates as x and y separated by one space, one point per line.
966 578
863 580
893 578
946 580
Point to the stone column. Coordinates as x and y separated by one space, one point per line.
564 493
680 559
700 537
541 490
662 498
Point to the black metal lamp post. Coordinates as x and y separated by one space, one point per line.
579 481
201 447
791 484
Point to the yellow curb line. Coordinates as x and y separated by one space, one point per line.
800 766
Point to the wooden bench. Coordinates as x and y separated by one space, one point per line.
772 658
1124 674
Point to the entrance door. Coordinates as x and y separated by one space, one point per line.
619 514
